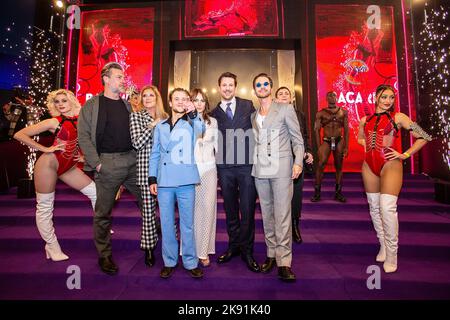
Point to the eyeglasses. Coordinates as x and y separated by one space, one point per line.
59 101
199 100
259 84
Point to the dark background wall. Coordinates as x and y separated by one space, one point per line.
17 16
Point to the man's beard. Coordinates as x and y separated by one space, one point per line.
260 96
119 90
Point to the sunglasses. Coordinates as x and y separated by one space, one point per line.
59 101
259 84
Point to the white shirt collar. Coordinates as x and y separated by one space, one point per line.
223 105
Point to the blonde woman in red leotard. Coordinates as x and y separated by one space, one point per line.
57 161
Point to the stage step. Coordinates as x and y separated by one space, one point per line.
339 244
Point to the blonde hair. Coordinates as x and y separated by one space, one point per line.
160 112
75 104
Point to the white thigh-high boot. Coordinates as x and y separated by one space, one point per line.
44 222
388 204
375 214
91 192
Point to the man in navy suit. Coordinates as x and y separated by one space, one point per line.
234 167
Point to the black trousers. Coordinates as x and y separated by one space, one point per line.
297 198
239 195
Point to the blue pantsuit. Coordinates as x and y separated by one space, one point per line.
172 166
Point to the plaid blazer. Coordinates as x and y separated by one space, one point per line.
142 140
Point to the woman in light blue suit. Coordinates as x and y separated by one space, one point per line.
173 175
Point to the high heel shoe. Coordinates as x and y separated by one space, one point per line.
54 252
205 262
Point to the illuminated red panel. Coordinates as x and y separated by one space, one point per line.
353 60
228 18
121 35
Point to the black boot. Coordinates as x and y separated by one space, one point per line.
316 196
158 226
338 195
296 236
149 257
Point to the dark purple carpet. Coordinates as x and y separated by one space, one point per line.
339 245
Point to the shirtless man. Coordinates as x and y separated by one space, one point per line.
332 119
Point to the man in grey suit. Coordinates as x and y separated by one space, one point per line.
276 128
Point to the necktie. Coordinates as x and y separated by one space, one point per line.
229 112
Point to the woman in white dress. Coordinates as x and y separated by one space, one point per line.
206 192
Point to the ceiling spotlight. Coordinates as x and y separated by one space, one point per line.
59 4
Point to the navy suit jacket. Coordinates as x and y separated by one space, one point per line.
236 138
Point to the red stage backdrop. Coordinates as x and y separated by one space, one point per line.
221 18
121 35
355 52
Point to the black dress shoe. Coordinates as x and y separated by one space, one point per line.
268 265
107 265
286 274
251 263
149 258
166 272
196 273
227 255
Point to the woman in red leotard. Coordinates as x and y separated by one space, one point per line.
57 161
382 169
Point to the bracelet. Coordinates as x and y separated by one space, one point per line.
406 154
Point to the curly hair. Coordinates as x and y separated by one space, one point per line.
76 107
